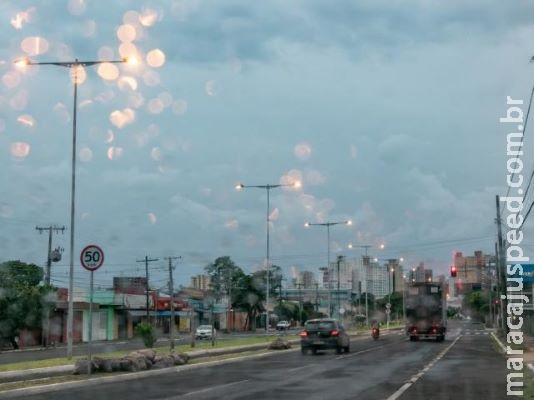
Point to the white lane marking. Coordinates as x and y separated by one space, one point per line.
205 390
414 378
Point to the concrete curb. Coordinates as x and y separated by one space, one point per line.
503 348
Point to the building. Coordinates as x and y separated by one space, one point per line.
201 282
473 272
305 279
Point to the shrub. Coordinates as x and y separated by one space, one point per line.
145 331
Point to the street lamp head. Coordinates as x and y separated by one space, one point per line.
22 62
306 224
350 246
297 184
239 186
401 259
349 222
382 246
130 60
375 259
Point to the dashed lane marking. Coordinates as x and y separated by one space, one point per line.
414 378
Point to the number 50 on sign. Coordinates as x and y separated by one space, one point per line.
92 257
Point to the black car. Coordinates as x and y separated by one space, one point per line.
324 334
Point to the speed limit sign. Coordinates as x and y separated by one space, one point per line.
92 257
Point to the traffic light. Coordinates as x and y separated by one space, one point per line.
453 271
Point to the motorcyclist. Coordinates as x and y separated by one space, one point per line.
375 327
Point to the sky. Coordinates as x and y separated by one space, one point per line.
386 112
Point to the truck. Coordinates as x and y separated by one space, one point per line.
426 311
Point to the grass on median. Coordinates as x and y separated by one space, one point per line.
183 348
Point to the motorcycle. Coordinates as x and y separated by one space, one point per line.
375 333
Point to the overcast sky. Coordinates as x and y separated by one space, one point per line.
387 112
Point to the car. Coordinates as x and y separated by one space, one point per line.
324 334
205 332
283 325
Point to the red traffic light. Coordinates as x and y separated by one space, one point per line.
453 271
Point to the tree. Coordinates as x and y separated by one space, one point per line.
476 304
22 298
249 296
224 275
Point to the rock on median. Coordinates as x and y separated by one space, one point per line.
139 360
279 344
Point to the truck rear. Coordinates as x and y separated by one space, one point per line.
426 312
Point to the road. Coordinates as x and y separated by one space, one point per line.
466 366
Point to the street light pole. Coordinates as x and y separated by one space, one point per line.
268 188
73 66
328 225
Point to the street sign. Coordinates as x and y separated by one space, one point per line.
342 311
92 257
388 306
388 311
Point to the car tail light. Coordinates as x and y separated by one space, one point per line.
434 330
303 333
335 332
414 329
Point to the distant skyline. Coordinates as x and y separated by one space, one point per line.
388 115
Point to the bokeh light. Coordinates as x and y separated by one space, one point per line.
61 113
76 7
155 58
128 50
34 45
126 33
211 88
89 28
151 78
78 73
86 154
232 224
131 17
11 79
114 153
127 83
26 120
20 149
152 218
155 153
166 98
121 118
148 17
136 100
22 18
303 151
108 71
110 136
155 106
19 101
179 107
106 53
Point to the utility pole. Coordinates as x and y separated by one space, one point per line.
317 297
339 260
299 287
146 261
50 230
171 290
501 265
